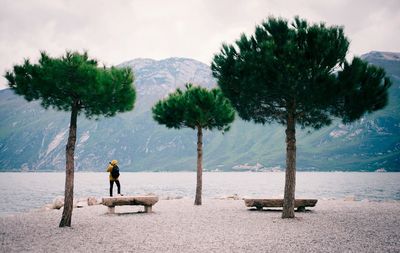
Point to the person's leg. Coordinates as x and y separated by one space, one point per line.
111 187
118 185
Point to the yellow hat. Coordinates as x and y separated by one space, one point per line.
114 162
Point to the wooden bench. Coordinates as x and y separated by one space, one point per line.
146 201
300 204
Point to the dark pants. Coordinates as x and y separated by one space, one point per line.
111 187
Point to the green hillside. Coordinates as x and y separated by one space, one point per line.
34 139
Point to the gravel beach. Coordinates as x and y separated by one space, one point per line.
216 226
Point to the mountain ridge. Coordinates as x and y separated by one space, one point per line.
33 139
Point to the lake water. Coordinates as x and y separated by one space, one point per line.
22 192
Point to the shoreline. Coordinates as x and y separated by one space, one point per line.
49 206
219 225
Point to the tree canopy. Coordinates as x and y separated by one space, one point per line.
74 80
195 107
298 67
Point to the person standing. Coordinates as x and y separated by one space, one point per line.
114 176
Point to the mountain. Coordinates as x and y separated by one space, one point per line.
155 79
33 139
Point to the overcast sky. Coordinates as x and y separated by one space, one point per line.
115 31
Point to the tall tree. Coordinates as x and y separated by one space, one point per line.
196 108
297 74
74 83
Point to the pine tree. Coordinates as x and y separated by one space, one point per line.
76 84
196 108
297 74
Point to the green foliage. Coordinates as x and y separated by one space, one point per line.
195 107
74 80
26 131
291 69
365 89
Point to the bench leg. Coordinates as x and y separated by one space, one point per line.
147 209
301 209
111 209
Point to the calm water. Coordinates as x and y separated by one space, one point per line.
25 191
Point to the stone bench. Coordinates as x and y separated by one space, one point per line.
300 204
146 201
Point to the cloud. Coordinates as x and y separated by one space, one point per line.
120 30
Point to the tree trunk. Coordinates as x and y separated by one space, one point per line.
69 170
290 179
197 200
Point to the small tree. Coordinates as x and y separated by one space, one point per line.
297 74
199 109
74 83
